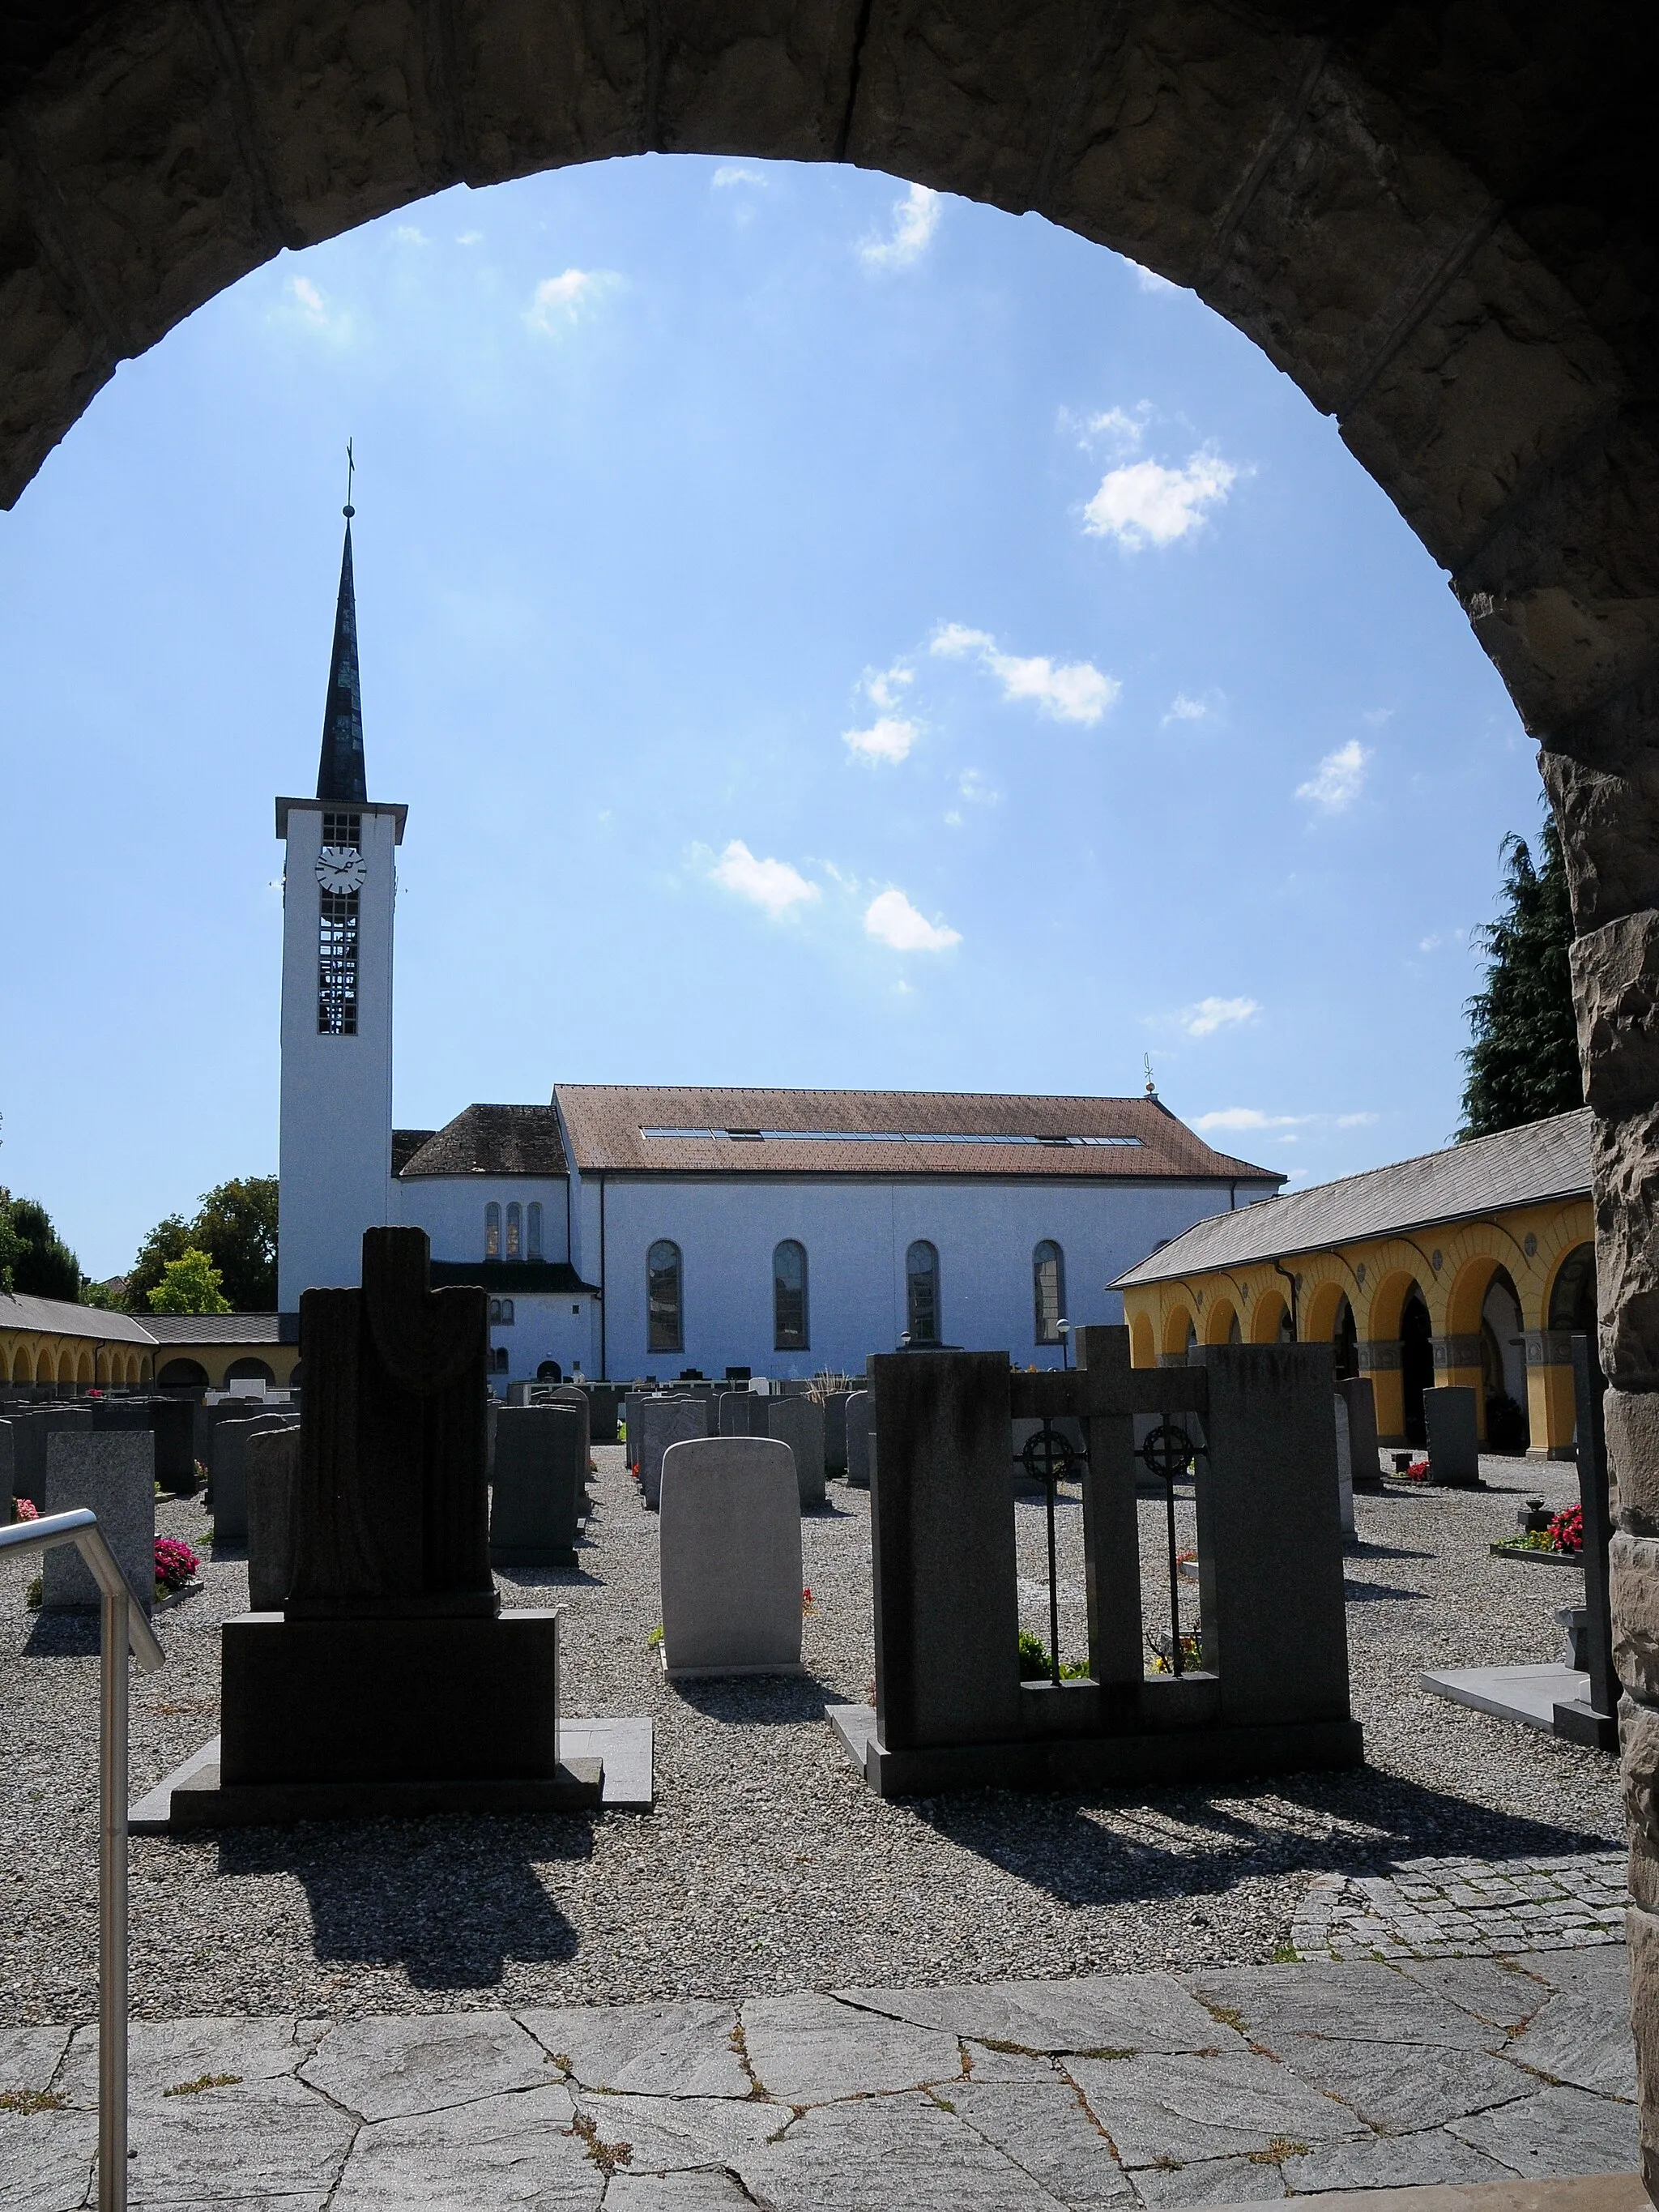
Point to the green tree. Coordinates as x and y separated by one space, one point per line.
1522 1063
190 1284
235 1225
40 1265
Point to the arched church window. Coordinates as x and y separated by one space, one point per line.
532 1229
492 1231
664 1315
789 1297
1048 1291
515 1232
922 1293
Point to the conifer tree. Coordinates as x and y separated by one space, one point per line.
1522 1063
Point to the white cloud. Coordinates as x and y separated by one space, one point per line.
311 302
978 792
773 884
1209 1015
1183 709
1068 691
1375 717
1124 429
1150 281
882 687
407 234
915 218
887 738
1248 1117
559 302
1355 1121
1339 778
891 917
1144 504
953 820
730 173
468 238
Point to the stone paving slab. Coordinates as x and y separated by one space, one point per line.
1315 2078
1464 1907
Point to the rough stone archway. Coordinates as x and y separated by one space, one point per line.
1437 217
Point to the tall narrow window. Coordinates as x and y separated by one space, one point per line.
514 1231
337 963
921 1293
1048 1291
492 1231
789 1297
665 1319
532 1229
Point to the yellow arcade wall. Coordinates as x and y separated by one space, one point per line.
1452 1266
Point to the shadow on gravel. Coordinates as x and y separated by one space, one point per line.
62 1636
1199 1844
770 1699
1363 1593
449 1900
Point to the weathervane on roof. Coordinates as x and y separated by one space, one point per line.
1151 1087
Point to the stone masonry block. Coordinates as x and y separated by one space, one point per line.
1624 1169
1633 1577
1615 987
1638 1736
1643 1929
114 1474
1631 1418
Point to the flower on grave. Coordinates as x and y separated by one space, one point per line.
1418 1471
1567 1530
175 1562
806 1603
24 1509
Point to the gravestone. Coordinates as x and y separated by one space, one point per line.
1361 1398
230 1474
632 1401
860 1439
113 1475
742 1413
730 1558
604 1401
571 1394
392 1682
535 1490
798 1423
30 1435
7 1469
834 1432
663 1422
271 1470
173 1429
1450 1420
1344 1467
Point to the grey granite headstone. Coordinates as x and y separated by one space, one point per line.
1344 1467
271 1467
31 1433
7 1469
572 1395
536 1487
663 1422
1450 1423
1361 1398
631 1402
171 1426
113 1475
798 1423
730 1558
860 1438
230 1474
834 1432
743 1413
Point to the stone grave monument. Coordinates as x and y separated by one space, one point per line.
392 1682
8 1468
730 1558
835 1433
798 1421
1450 1422
663 1422
861 1441
536 1489
1266 1689
272 1471
1359 1397
742 1413
112 1475
229 1501
31 1432
1344 1465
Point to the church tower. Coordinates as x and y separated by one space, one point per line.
338 889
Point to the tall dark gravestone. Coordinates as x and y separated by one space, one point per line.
391 1682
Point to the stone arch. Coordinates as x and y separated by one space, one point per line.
84 1368
1221 1324
1179 1331
183 1375
22 1364
1142 1344
250 1370
1571 1302
1269 1318
1320 1304
45 1367
66 1366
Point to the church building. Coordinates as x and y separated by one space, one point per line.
625 1230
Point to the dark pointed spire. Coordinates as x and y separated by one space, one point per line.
340 776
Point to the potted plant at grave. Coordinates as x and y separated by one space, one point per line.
176 1569
1559 1541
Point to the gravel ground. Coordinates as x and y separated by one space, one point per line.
767 1865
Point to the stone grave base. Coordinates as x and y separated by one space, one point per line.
204 1801
1552 1697
1174 1756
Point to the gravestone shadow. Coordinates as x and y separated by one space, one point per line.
63 1636
1108 1847
451 1900
764 1699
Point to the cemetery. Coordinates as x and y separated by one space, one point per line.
643 1806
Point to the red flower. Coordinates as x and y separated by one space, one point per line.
175 1562
1567 1529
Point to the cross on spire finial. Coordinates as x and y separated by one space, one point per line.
348 510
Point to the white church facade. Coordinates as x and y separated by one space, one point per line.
624 1231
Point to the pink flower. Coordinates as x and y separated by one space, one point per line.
175 1562
23 1509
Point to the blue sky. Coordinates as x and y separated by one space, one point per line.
823 633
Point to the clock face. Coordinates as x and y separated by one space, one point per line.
340 868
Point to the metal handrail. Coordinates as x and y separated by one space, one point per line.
121 1626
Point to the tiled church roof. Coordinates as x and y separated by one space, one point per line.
1527 1166
497 1140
